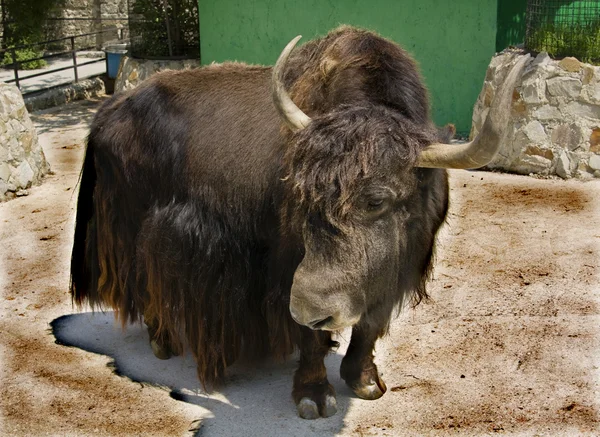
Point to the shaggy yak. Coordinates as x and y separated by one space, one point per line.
242 221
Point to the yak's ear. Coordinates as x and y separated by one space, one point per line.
446 134
291 114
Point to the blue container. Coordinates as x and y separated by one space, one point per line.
114 54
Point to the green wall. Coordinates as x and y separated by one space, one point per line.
452 40
511 23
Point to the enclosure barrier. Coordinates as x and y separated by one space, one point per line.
16 64
564 28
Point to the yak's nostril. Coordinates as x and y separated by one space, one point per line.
318 324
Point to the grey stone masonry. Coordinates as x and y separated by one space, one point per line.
133 71
22 160
555 117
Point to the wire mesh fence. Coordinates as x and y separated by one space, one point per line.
564 28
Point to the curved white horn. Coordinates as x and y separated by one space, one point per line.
484 147
292 115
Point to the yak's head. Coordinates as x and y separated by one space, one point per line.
351 187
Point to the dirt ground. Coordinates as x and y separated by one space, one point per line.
509 343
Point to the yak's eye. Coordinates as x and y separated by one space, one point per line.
375 203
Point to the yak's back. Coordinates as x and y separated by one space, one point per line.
182 132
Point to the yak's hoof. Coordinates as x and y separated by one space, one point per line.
371 390
160 352
308 409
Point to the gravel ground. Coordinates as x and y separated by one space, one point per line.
509 343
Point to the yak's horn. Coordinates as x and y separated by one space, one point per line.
484 147
292 115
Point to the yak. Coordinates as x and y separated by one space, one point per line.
247 211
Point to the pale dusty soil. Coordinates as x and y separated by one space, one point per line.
509 343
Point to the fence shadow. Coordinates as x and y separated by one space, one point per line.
254 401
66 117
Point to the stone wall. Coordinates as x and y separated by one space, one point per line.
555 121
133 71
22 160
87 16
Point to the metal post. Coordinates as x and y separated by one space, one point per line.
15 67
74 58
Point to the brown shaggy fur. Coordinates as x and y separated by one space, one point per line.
192 190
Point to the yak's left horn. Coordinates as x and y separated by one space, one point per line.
486 144
293 116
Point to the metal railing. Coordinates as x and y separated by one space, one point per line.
16 64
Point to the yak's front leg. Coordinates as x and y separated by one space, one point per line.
313 394
358 369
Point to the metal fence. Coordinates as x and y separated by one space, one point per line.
165 29
71 52
564 28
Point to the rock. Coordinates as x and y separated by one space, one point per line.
4 171
570 64
595 140
22 193
588 74
535 132
576 110
569 136
564 86
591 93
534 92
23 175
554 119
541 60
540 151
22 160
594 162
563 166
547 112
527 164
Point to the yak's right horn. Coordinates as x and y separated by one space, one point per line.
484 147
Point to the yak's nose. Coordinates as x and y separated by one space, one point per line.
320 324
309 315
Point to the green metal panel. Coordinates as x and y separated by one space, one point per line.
511 23
452 40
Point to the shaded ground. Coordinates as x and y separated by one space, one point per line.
508 344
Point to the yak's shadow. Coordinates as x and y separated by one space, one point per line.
254 401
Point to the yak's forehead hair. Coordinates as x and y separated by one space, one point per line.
339 152
357 67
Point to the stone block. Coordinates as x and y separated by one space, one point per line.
591 93
588 74
563 166
568 136
547 112
534 150
570 64
534 92
564 87
535 132
595 140
594 162
576 110
527 164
